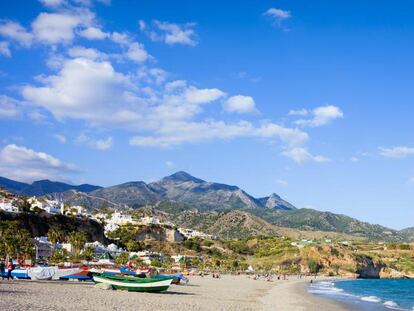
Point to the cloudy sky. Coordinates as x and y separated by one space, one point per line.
311 100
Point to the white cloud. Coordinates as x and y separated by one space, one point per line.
37 116
99 144
137 53
322 116
90 53
300 155
172 134
93 33
60 138
121 38
278 13
52 3
170 33
397 152
54 28
164 115
4 49
355 159
16 32
24 164
299 112
9 107
240 104
278 16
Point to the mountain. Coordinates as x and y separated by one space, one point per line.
276 202
184 188
198 202
42 187
180 187
309 219
408 233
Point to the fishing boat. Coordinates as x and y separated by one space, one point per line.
131 283
176 278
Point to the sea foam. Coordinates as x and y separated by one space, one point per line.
371 299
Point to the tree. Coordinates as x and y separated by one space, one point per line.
78 240
122 258
24 205
156 263
14 241
88 253
133 246
313 266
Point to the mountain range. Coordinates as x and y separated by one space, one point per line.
42 187
186 199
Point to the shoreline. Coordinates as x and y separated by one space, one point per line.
203 293
293 295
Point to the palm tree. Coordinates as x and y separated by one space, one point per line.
55 235
78 240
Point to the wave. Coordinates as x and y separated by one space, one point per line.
329 289
371 299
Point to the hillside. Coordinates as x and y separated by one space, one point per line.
203 204
38 224
308 219
180 187
42 187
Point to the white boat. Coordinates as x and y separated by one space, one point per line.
51 273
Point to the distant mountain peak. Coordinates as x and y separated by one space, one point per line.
183 177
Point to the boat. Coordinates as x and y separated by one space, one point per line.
84 275
131 283
20 273
176 278
53 272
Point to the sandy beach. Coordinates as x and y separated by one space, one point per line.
202 293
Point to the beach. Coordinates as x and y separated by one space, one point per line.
202 293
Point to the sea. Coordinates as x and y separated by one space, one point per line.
369 295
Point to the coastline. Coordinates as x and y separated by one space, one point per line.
202 293
293 295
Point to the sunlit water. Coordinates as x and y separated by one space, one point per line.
378 294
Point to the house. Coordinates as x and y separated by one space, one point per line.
147 256
190 233
7 205
150 221
120 218
98 248
44 248
111 227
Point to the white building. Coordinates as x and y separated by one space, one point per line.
149 221
111 227
120 218
190 233
147 256
7 206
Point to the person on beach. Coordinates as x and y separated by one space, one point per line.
2 269
10 268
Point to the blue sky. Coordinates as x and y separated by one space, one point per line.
308 99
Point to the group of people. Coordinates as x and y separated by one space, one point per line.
10 268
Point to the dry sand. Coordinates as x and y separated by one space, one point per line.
228 293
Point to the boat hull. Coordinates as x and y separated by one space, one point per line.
135 285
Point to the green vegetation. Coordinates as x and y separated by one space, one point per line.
14 241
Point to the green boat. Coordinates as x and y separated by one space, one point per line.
131 283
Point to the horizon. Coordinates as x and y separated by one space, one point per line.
315 105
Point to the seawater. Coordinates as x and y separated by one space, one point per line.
378 294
